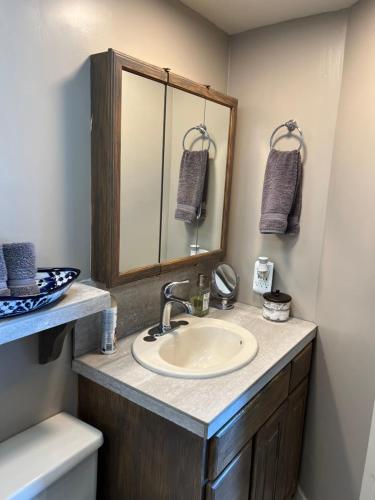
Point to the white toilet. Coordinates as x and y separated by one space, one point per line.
53 460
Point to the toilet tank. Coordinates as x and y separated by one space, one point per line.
53 460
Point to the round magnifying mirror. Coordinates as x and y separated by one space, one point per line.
224 285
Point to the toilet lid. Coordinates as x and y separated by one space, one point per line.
34 459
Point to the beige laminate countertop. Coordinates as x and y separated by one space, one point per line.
201 405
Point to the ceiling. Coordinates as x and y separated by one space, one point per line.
234 16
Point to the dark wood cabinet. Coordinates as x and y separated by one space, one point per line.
293 438
226 443
255 455
267 479
234 482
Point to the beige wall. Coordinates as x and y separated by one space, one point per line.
344 377
291 70
45 144
321 71
280 72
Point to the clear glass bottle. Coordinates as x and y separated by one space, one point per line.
201 301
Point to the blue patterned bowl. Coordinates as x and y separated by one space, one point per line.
53 282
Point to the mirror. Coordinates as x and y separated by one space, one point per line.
225 283
184 111
162 154
142 117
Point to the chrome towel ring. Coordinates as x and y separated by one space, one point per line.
291 125
203 130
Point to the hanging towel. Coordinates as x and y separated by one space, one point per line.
4 290
21 267
191 184
282 193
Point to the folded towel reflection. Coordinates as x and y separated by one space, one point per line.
282 193
21 267
191 185
4 290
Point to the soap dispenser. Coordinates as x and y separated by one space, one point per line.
201 300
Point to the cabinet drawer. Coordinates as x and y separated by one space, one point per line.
231 438
300 367
234 481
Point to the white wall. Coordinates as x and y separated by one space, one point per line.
343 389
45 143
290 70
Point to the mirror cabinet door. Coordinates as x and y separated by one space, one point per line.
217 120
183 111
153 126
142 121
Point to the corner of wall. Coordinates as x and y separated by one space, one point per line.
346 13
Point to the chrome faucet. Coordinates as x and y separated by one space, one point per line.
167 300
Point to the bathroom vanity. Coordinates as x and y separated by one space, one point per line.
235 436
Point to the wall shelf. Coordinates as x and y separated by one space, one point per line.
80 301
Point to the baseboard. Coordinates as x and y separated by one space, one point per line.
300 495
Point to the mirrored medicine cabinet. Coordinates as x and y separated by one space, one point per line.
143 118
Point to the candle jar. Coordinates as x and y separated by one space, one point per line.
276 306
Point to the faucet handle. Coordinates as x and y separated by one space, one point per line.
169 287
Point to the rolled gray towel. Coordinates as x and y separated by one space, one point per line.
4 290
21 267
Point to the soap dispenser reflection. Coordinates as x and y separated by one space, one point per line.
263 275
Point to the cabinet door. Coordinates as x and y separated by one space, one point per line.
233 483
293 439
267 479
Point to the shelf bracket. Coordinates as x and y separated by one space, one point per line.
51 342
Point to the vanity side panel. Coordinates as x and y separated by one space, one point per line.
301 365
144 456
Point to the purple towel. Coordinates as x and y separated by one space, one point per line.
191 185
4 290
21 267
282 193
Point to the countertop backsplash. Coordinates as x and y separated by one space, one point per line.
138 306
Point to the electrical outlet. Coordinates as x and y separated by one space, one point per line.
263 275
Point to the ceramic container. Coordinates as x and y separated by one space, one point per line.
53 282
276 306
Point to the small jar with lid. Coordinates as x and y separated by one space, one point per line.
276 306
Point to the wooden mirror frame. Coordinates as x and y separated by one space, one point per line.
106 82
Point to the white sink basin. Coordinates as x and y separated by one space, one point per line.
204 348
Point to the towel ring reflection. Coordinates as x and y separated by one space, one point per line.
291 125
203 130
